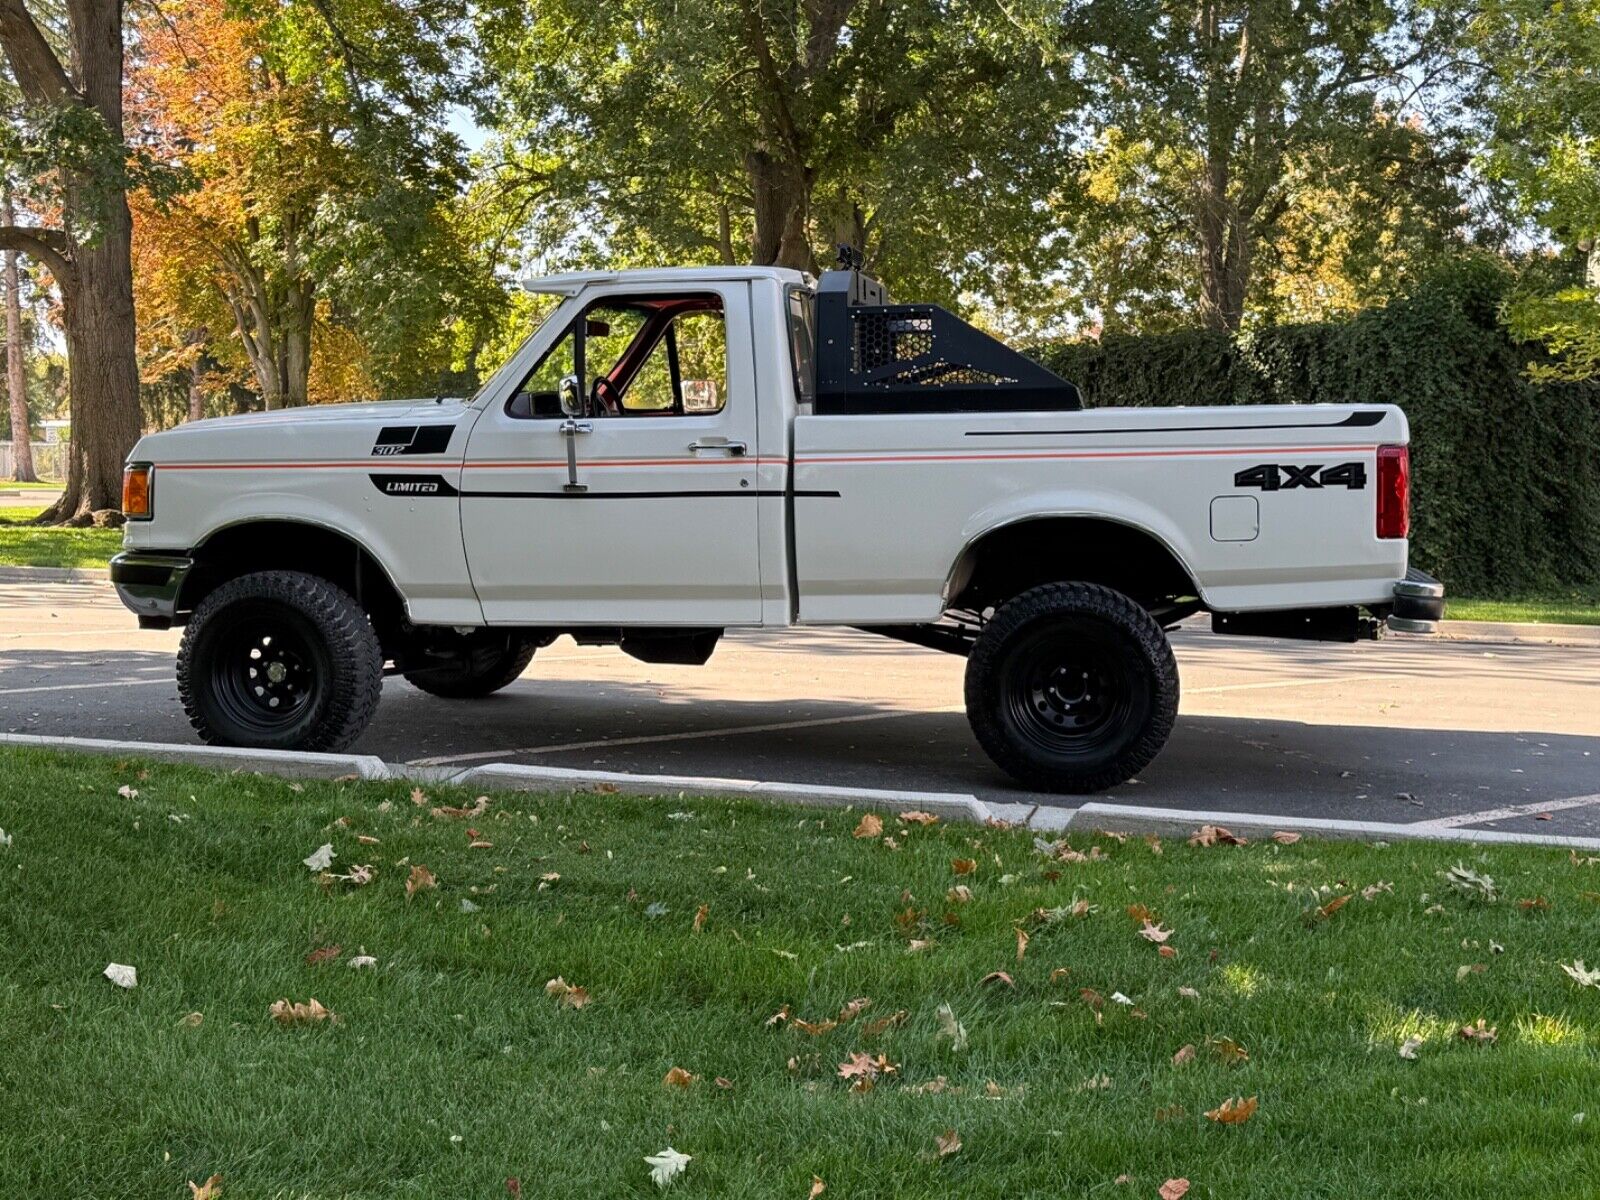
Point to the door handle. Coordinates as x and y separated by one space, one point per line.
736 449
570 430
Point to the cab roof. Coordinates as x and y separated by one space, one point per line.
572 282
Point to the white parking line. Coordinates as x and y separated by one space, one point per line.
78 687
1515 810
688 735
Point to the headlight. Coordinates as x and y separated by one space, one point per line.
137 499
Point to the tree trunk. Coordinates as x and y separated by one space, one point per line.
1224 254
97 312
16 378
782 194
197 375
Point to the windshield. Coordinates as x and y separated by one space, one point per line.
530 311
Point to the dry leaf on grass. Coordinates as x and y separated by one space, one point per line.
1167 951
948 1143
1185 1054
418 797
1022 943
1480 1033
854 1008
1189 993
883 1024
723 1082
1235 1111
1141 914
293 1012
917 817
1154 933
1173 1189
1285 838
1227 1051
963 866
321 858
814 1028
1215 835
1374 890
566 994
447 812
1534 904
678 1078
700 915
951 1028
1409 1048
362 962
1580 973
871 826
998 977
324 954
960 894
667 1166
366 839
209 1190
420 880
1469 969
778 1017
1333 906
125 976
1469 883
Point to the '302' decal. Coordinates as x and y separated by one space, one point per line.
1280 477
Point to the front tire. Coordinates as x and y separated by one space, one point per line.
280 660
1072 687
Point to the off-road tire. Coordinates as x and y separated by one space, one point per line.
473 679
1072 687
319 629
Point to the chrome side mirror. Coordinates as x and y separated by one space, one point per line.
571 396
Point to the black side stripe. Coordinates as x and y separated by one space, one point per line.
1356 420
742 492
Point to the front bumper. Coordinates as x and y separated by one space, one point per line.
1418 603
150 584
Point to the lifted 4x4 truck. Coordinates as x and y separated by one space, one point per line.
676 453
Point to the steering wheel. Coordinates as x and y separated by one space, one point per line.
606 397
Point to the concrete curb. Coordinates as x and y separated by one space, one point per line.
950 806
1131 818
54 574
1507 631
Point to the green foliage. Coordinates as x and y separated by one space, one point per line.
1506 468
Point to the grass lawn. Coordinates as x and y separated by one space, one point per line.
24 545
43 485
690 923
1575 608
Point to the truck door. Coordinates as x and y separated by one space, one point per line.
617 485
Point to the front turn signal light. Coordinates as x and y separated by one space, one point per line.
136 481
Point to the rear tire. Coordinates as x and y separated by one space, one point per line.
1072 687
476 672
280 660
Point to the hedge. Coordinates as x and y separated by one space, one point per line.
1506 471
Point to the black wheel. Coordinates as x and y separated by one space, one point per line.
480 666
1072 687
280 660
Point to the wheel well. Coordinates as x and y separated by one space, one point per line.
1008 561
295 546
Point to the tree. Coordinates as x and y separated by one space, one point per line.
764 131
311 136
16 371
69 125
1211 114
1541 87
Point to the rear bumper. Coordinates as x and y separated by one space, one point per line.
149 585
1418 603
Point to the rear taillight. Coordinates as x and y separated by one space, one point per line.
1394 491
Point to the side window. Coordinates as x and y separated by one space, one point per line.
686 373
803 344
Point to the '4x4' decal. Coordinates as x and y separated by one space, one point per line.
1280 477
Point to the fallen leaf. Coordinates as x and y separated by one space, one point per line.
1233 1112
960 894
1092 998
883 1024
1227 1051
1409 1048
1173 1189
128 977
951 1028
448 812
963 866
1480 1033
566 994
1372 891
667 1166
700 916
917 817
865 1066
420 880
127 792
815 1028
323 954
360 875
1285 837
209 1190
854 1008
1188 993
1167 951
286 1012
678 1078
871 826
513 1187
817 1188
480 844
1059 974
1470 883
917 945
1185 1054
1215 835
418 796
948 1143
1141 915
778 1017
366 839
1470 969
1334 905
1536 904
998 977
1154 933
321 858
193 1020
1022 943
1584 976
362 962
723 1082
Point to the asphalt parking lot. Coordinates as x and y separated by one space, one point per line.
1454 734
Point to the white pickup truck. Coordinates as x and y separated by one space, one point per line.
676 453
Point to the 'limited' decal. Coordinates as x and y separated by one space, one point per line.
413 485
